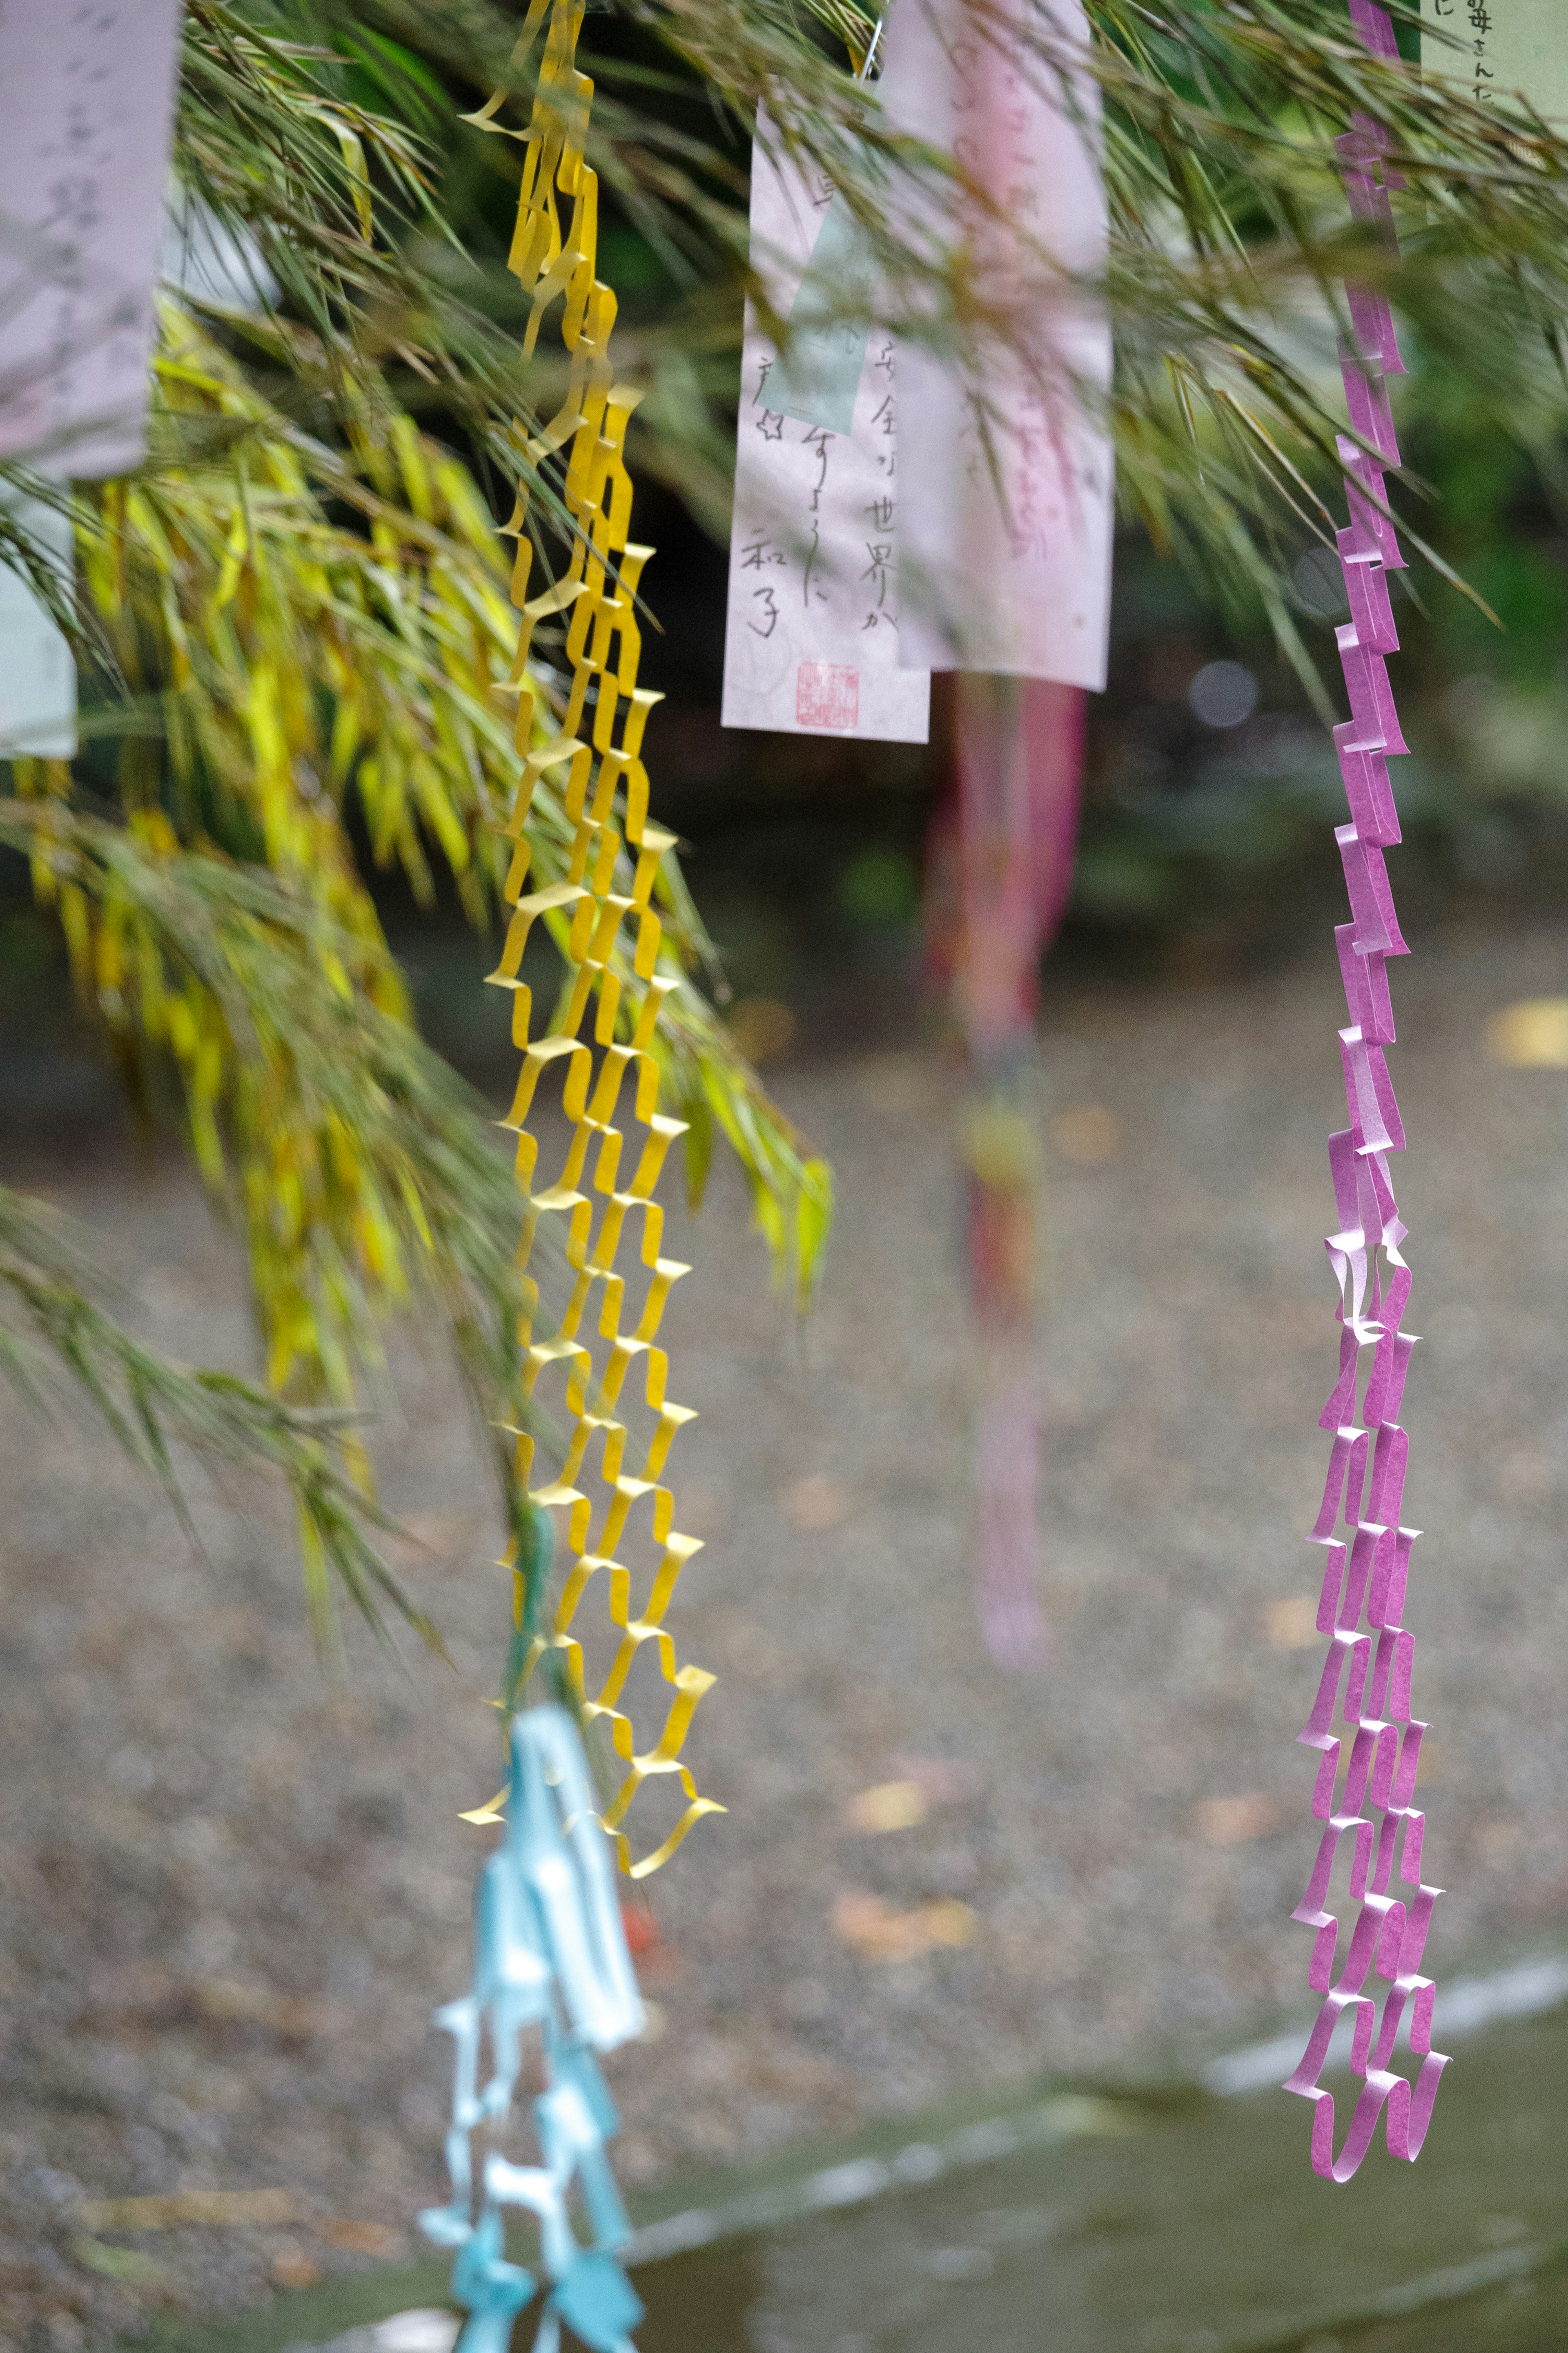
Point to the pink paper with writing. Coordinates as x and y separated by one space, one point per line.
1005 515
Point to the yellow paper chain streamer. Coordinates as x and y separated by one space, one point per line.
610 879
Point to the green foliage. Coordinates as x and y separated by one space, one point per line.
299 613
296 612
50 1325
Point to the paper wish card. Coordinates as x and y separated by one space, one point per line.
1501 50
1005 525
38 670
811 645
87 90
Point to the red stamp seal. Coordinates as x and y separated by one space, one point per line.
827 694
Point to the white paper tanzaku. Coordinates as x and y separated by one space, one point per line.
811 645
87 100
87 93
1499 49
1005 522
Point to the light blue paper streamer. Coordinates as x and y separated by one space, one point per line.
816 379
549 1950
37 668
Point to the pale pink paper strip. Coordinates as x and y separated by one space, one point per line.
1004 518
1368 1563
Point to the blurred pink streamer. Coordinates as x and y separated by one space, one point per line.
1000 869
1368 1560
1004 542
1006 1478
1002 847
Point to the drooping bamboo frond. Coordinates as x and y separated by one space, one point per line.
50 1325
300 601
357 1161
312 666
298 609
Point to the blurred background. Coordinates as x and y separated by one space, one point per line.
234 1892
234 1888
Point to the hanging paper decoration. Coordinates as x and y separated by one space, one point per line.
1005 524
37 672
611 881
1006 544
549 1951
987 490
1368 1561
999 870
89 99
89 95
1502 51
812 641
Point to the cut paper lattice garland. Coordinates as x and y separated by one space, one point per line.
612 878
549 1951
1369 1561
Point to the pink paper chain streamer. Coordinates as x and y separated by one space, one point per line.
1369 1561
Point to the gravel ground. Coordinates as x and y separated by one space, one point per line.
231 1896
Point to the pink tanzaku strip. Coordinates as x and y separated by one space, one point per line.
1367 1674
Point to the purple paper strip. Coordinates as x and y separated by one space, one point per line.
1374 324
1367 398
1370 608
1367 498
1368 1554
